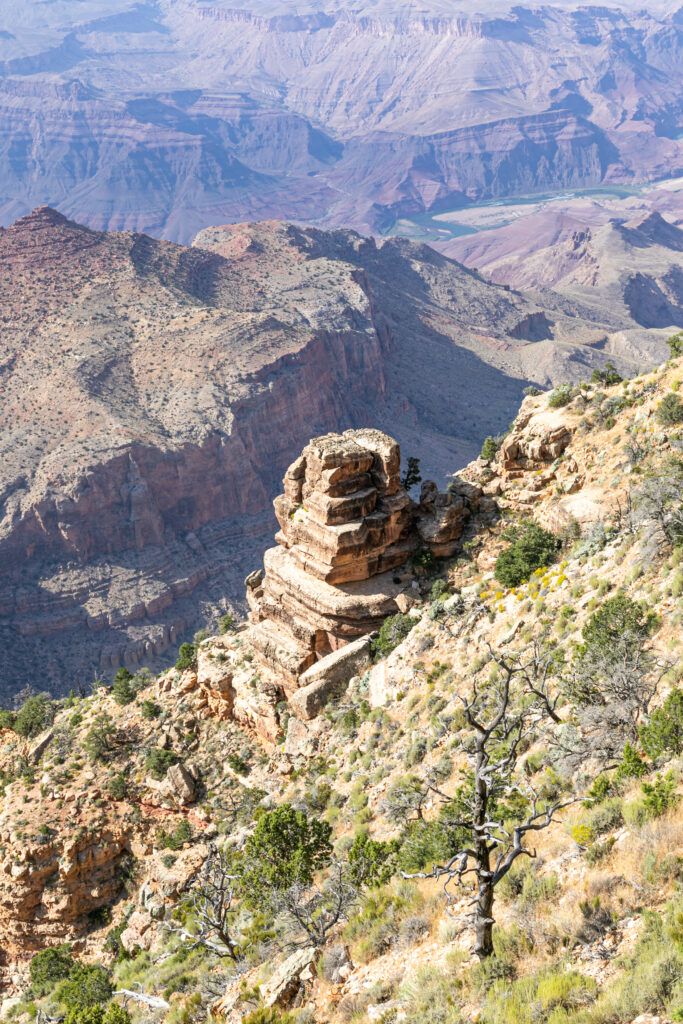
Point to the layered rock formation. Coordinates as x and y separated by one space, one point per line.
346 524
347 531
49 885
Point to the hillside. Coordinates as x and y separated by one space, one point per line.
168 116
331 765
633 264
153 394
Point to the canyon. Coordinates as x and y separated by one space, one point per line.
169 116
600 251
153 394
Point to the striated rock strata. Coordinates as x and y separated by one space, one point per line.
347 527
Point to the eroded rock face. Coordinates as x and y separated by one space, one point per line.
49 885
347 525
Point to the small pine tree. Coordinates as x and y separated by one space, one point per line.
123 687
100 739
675 344
186 656
412 475
632 765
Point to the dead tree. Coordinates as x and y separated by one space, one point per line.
658 501
503 717
211 900
314 910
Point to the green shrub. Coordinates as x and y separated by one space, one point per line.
187 654
375 927
237 764
285 848
632 766
423 559
663 734
489 449
226 623
607 376
600 789
439 590
394 629
412 476
617 618
113 1014
675 344
35 714
531 548
118 786
562 395
150 710
175 840
660 794
605 817
548 996
123 687
372 861
87 985
670 411
269 1015
159 761
50 966
7 718
100 738
425 843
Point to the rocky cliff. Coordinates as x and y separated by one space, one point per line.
347 527
153 394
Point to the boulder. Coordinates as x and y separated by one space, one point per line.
180 784
138 931
330 677
283 985
299 741
39 746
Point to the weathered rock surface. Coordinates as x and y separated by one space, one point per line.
281 988
329 678
346 523
49 885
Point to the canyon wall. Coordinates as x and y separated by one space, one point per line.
346 115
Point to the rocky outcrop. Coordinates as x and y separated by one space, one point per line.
329 678
348 529
346 526
50 884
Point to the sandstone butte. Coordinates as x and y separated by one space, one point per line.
347 526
